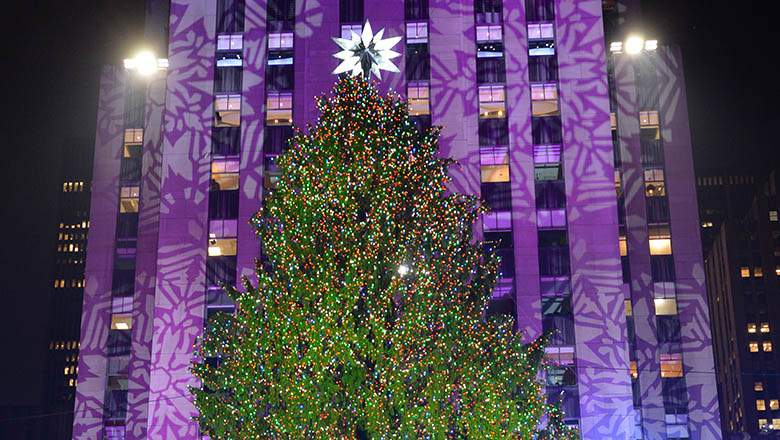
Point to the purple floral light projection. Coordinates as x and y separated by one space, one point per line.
179 297
598 303
698 361
96 317
146 262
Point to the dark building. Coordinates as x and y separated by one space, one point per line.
67 289
742 268
723 198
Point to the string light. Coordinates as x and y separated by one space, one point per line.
330 343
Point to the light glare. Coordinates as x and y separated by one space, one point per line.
146 63
634 45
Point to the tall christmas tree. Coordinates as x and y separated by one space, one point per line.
367 319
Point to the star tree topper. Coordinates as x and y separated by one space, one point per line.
366 53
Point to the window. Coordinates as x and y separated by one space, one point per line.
279 108
550 218
351 11
491 70
654 183
660 240
225 141
280 41
744 272
281 15
758 272
497 221
760 405
416 33
546 130
121 321
229 59
416 9
494 165
348 29
623 245
648 119
489 33
221 247
492 49
671 365
491 102
634 369
766 346
776 424
547 154
227 109
676 426
762 423
753 346
541 31
777 268
541 48
493 132
758 386
751 327
230 16
764 327
774 404
134 135
488 11
418 65
665 306
224 174
544 99
128 199
543 68
228 80
773 216
539 10
228 42
419 98
223 204
629 308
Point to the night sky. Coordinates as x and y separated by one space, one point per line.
53 52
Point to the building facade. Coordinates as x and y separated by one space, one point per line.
743 268
541 112
67 288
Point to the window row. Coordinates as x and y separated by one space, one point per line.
765 346
761 405
753 327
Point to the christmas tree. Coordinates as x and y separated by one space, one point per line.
368 317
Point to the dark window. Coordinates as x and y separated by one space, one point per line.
546 130
626 269
539 10
669 334
493 131
123 277
422 123
553 253
497 196
223 205
662 267
230 16
488 11
116 404
621 207
276 138
135 100
550 194
566 398
558 321
280 77
220 269
561 376
130 170
416 10
281 15
657 210
418 64
652 153
631 332
351 11
227 79
491 70
675 394
225 141
118 342
127 225
498 240
543 68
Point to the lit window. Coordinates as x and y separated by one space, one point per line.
764 327
550 218
762 423
491 102
494 165
772 216
544 99
660 240
760 405
121 321
547 154
419 98
744 272
758 386
671 365
227 110
219 247
416 33
540 31
623 243
224 174
648 119
280 41
629 307
231 42
222 228
488 33
753 346
766 346
774 404
613 121
279 108
776 424
758 272
134 135
348 29
654 183
497 221
665 306
128 199
751 327
634 369
777 271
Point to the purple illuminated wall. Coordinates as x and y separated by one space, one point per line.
169 302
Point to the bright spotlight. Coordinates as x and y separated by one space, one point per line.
403 270
146 63
634 45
